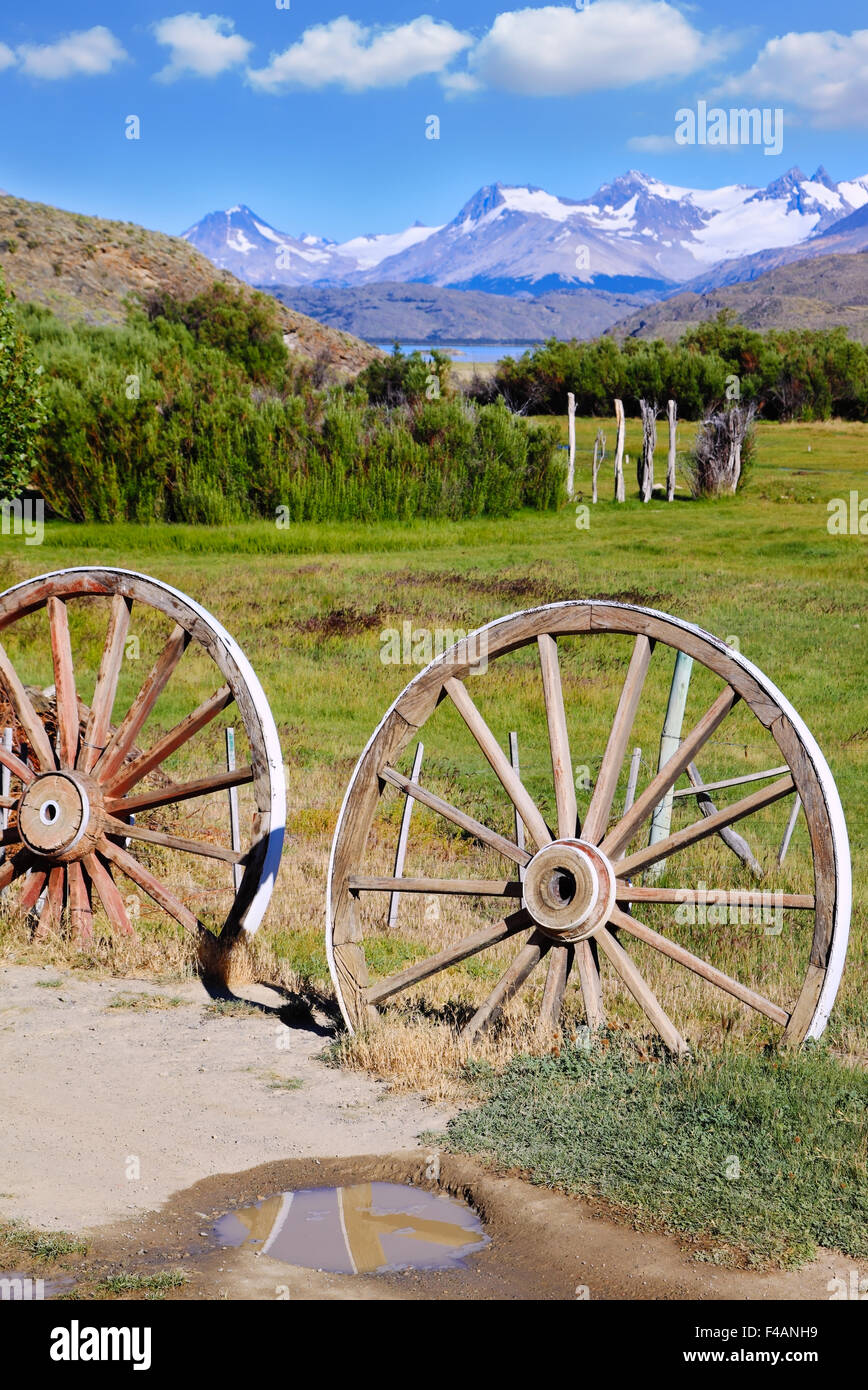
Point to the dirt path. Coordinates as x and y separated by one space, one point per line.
87 1091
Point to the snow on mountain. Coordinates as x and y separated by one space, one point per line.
635 234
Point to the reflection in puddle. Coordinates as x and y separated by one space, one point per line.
372 1227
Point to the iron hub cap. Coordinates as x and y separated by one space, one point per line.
569 890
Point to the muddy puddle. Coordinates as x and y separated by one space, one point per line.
364 1228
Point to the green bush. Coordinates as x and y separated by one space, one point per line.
21 407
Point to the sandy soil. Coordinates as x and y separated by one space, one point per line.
86 1090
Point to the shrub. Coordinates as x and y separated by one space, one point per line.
21 406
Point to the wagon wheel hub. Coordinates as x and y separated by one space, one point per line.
60 815
569 890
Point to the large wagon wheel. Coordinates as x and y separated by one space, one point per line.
89 814
579 879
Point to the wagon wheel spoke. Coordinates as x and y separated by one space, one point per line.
64 683
508 985
622 833
99 718
561 958
151 885
700 967
747 897
18 768
451 813
641 992
432 965
462 887
26 715
701 829
133 772
183 791
80 915
501 766
52 907
160 837
125 734
603 794
13 868
109 893
32 890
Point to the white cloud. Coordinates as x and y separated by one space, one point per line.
823 74
202 45
561 51
7 57
87 53
358 58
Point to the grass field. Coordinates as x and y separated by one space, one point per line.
309 604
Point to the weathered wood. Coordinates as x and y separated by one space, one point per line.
700 788
32 890
99 718
559 743
179 791
700 967
452 813
691 834
560 961
791 825
599 459
127 731
644 996
452 955
64 683
672 415
571 432
15 765
143 877
731 838
670 738
132 772
603 795
109 893
26 714
645 462
80 915
517 821
474 887
642 807
749 897
403 835
632 779
619 452
508 985
114 827
499 762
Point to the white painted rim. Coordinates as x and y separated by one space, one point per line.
840 841
235 657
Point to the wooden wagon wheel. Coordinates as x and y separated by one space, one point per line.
579 879
86 810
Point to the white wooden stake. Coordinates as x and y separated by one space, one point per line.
571 426
5 783
661 822
234 829
401 853
791 825
632 779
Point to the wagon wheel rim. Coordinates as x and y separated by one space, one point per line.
74 840
807 774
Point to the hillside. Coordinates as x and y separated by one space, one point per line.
821 292
88 268
430 314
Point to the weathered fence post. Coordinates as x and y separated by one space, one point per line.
791 825
619 452
661 822
571 426
645 463
632 779
401 853
672 412
599 456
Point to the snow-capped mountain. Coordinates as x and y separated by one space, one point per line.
636 234
241 241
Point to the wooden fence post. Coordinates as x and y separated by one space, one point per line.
401 852
619 452
599 455
672 412
670 739
645 464
571 425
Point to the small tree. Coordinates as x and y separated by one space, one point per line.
724 446
21 407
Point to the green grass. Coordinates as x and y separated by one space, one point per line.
145 1003
151 1285
764 1155
45 1246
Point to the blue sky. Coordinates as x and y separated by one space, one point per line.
315 114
